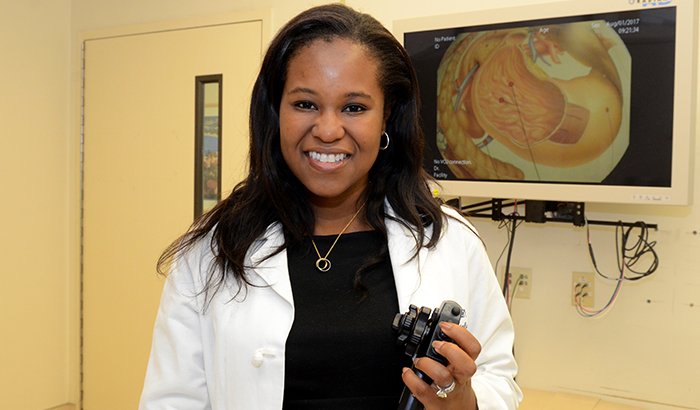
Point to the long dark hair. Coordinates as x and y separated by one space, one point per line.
271 193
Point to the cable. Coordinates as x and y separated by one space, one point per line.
515 290
505 223
511 221
636 252
627 257
601 312
509 243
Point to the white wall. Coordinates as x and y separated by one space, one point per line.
644 352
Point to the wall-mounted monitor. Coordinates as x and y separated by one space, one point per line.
582 101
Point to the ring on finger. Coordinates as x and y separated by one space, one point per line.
442 391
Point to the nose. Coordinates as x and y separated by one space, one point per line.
328 127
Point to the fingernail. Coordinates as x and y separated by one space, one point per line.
405 369
437 345
446 325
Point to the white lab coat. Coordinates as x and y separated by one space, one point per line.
231 356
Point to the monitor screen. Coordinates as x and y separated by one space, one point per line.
576 101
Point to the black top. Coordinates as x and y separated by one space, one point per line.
341 352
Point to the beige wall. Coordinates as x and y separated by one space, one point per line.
643 350
35 248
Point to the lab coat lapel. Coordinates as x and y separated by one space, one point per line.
407 269
274 271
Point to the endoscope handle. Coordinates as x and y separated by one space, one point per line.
408 400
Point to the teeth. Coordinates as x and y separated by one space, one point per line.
327 158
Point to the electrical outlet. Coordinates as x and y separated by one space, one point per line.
583 286
520 282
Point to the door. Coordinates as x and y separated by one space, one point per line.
138 189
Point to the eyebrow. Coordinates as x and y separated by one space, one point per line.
301 90
353 94
358 94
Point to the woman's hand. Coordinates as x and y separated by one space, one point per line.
461 357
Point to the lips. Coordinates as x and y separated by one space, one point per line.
326 158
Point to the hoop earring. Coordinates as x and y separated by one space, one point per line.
382 148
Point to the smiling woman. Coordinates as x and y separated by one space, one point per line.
254 317
331 121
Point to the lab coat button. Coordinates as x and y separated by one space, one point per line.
259 355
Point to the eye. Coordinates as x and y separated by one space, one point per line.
354 108
305 105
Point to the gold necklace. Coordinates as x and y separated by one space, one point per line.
323 264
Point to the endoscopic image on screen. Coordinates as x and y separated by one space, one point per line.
566 100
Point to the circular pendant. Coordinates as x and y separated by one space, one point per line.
323 264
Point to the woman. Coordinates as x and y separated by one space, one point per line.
284 294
